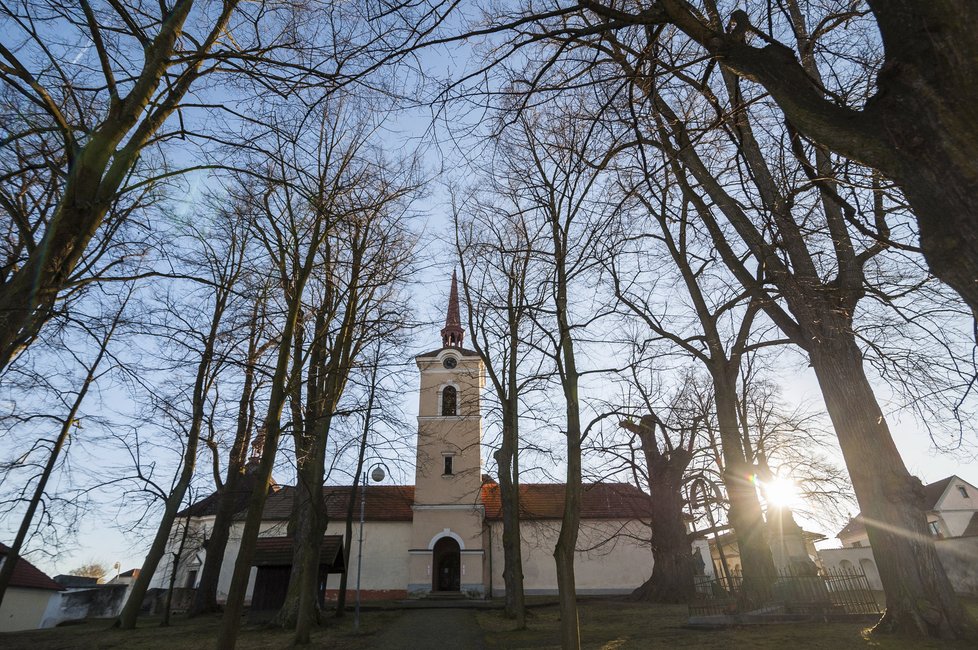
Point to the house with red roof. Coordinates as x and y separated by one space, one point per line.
443 534
27 597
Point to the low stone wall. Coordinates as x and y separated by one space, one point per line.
104 601
155 600
959 555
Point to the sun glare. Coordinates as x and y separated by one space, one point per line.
781 491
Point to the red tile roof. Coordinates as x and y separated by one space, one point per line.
546 501
27 575
384 503
537 501
209 505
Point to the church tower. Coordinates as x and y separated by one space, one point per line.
447 532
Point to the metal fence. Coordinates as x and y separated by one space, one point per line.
826 594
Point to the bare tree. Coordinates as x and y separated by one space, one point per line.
69 421
331 225
815 307
912 61
240 468
113 102
668 442
551 163
493 241
354 303
223 251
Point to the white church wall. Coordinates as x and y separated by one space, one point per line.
267 529
200 529
385 567
616 562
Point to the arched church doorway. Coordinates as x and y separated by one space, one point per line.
447 564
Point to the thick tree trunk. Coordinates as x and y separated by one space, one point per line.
926 106
301 607
672 568
507 461
745 514
919 597
920 128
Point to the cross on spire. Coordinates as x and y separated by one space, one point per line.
452 334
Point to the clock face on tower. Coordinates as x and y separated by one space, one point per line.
449 362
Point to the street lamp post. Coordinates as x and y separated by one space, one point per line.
377 474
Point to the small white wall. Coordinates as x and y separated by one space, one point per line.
23 609
385 555
859 559
617 560
960 559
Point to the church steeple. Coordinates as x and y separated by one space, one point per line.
452 334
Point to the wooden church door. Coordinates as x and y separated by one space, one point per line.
447 563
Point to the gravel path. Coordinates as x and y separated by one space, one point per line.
437 629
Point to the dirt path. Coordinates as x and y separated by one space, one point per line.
436 629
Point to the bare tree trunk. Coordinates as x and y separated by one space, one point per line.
745 514
301 608
570 633
507 460
130 611
13 555
919 597
351 505
234 607
205 599
672 568
168 602
202 382
348 534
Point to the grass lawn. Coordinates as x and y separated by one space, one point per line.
195 634
605 624
614 625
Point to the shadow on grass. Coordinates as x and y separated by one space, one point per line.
619 624
190 634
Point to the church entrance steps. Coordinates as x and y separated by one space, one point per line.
445 595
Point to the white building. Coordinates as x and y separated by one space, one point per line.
27 597
952 516
444 533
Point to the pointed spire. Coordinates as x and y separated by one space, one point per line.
452 334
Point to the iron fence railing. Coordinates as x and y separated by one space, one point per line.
790 592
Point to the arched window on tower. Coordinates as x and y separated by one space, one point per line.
449 401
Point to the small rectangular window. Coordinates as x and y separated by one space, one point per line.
448 465
935 530
191 579
963 492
